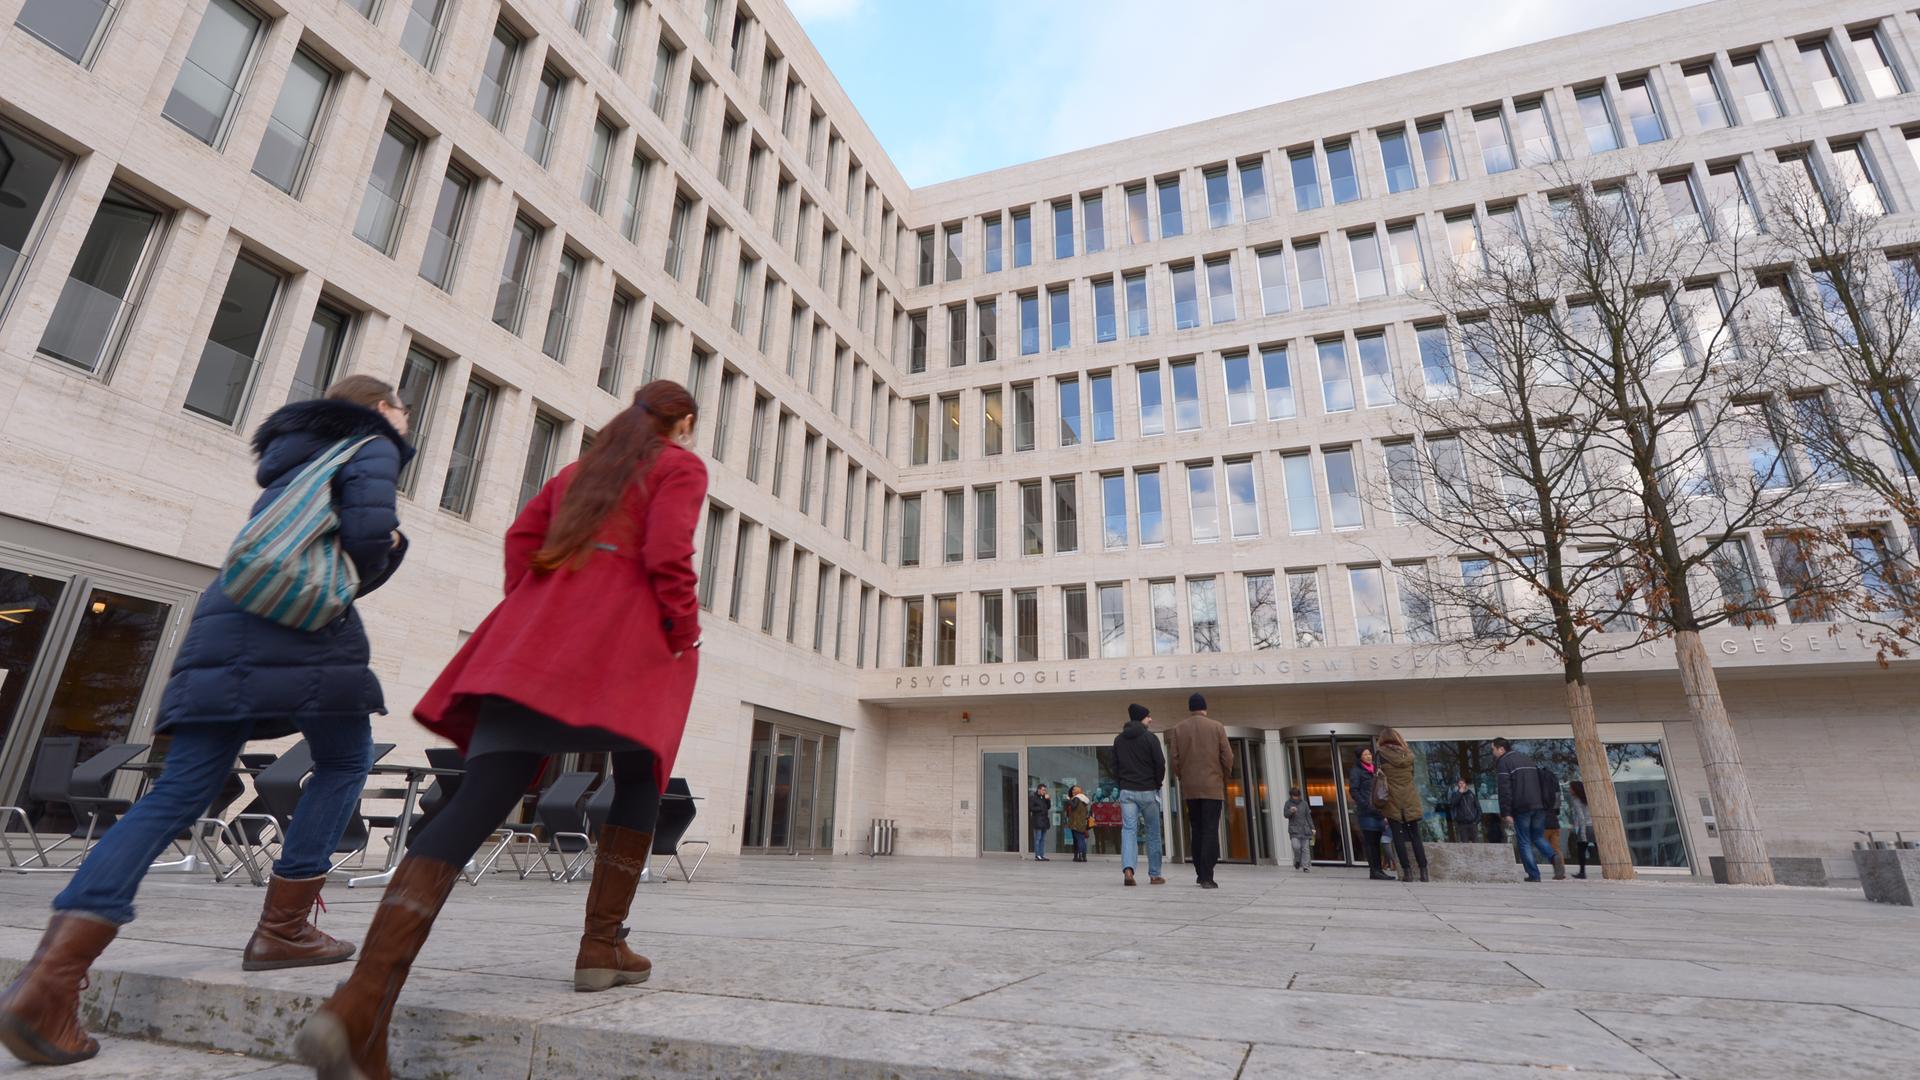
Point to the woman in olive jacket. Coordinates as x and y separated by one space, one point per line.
1403 809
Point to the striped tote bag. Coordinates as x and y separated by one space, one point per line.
286 565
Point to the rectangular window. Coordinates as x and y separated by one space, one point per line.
1417 621
1369 272
1139 228
1059 318
1463 242
1069 389
986 522
913 637
1409 259
1343 487
710 553
1485 610
469 445
1106 323
723 416
1727 196
690 119
992 620
991 244
1683 205
1753 89
1186 395
1276 376
1074 617
231 354
593 183
1376 370
676 235
1063 229
1153 418
1022 238
1186 298
1263 612
956 333
34 173
545 122
909 529
1026 625
1636 104
1303 596
953 526
1243 500
1166 617
1033 531
1313 274
1113 620
384 204
1829 89
1219 198
1404 484
419 378
916 341
1094 219
1342 175
1273 281
1793 568
923 255
1029 324
917 449
1238 380
321 352
1253 189
1336 377
1853 178
1533 132
1396 157
494 98
1496 149
1171 222
1597 118
443 232
1306 179
955 244
1203 503
1436 151
1303 512
1220 305
1113 510
287 145
540 456
1203 613
1153 518
950 427
1436 362
207 89
510 299
991 422
560 313
987 331
1708 110
1023 417
103 287
1767 464
1066 516
1136 289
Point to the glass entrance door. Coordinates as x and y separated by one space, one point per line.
791 783
27 606
1320 763
1243 821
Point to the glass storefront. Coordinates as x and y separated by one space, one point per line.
792 769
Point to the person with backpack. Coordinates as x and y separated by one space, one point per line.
594 649
1523 804
271 660
1079 820
1370 794
1404 808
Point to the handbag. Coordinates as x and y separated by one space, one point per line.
1381 796
287 564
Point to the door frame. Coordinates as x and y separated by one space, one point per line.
1331 734
801 729
81 577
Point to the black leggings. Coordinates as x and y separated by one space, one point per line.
494 785
1403 832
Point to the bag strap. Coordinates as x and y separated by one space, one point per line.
333 460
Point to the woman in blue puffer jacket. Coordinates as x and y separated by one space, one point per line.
241 677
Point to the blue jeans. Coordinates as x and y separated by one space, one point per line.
1530 832
1079 844
198 762
1039 842
1134 806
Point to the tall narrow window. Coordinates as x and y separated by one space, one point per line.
1253 189
1533 132
1238 380
593 184
1203 502
992 244
913 638
690 118
1135 285
1153 417
104 285
1070 432
1220 305
1263 612
510 300
1094 219
1059 318
1436 362
953 526
320 353
1708 110
923 255
1306 179
956 249
1023 417
232 351
987 330
443 232
287 145
1369 272
1342 175
1343 487
419 379
1753 89
1636 105
1597 118
1186 298
1186 395
1153 517
1829 89
709 247
1022 238
1409 257
946 630
1303 596
919 435
1033 532
560 312
1106 323
1166 617
1219 198
1397 159
1376 371
638 172
540 457
1853 178
73 27
1405 488
986 522
545 121
1417 619
756 434
1313 274
956 335
1063 229
494 98
909 530
469 444
1066 515
658 92
207 88
950 427
613 46
1172 223
1100 398
1303 512
26 191
384 205
1139 228
1273 281
1029 324
1073 603
1203 614
1436 151
1113 620
423 31
992 627
992 423
1113 510
1243 500
1496 148
1336 377
1276 375
1026 625
1370 622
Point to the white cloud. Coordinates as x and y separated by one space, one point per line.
821 10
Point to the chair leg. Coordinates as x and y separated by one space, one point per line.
686 874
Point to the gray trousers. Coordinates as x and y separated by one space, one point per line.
1302 850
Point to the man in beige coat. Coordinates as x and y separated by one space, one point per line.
1199 757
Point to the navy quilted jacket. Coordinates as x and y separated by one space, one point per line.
239 667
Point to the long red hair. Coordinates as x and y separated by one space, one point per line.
623 454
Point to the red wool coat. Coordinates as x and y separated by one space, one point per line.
593 646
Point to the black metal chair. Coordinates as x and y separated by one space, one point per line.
561 815
90 791
50 783
678 808
262 829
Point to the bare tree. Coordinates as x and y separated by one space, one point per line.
1850 367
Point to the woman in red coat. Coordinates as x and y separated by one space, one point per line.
593 649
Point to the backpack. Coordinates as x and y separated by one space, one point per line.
287 565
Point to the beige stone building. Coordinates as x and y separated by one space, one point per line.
989 459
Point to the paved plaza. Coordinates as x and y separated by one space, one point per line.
915 968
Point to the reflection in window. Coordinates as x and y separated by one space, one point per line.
232 351
208 85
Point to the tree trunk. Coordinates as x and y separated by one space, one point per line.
1596 776
1733 812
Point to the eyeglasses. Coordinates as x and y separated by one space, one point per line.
404 408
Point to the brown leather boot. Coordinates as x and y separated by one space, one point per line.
40 1012
284 937
605 961
347 1038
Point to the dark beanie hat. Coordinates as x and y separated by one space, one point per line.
1196 703
1136 712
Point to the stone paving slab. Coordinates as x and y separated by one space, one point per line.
895 968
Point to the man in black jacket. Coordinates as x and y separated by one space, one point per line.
1464 811
1140 767
1524 798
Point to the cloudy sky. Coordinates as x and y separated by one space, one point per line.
956 87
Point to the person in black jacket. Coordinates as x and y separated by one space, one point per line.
1464 811
240 676
1373 824
1140 767
1524 798
1039 819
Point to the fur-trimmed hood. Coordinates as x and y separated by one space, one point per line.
293 433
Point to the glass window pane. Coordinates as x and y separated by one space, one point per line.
320 353
1243 500
1306 180
1436 152
1100 388
1166 617
1203 503
1636 101
1153 419
1343 488
1303 512
1369 273
288 141
1171 222
1341 173
26 185
1397 159
1336 379
67 25
1239 386
1277 376
1186 396
1371 626
1113 510
1153 521
227 361
1253 189
210 74
1376 371
1313 274
1093 214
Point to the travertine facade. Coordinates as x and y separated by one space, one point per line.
122 473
